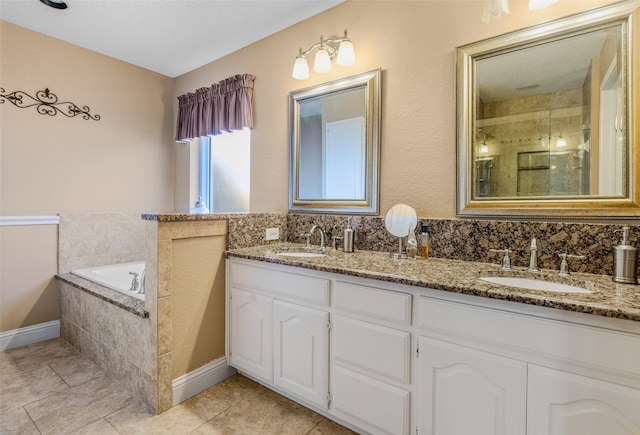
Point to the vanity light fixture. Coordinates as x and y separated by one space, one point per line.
540 4
57 4
484 148
327 50
495 9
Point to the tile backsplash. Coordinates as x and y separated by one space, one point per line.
471 240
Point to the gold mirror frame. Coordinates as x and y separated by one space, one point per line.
370 82
589 207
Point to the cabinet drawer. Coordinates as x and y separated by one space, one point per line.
372 405
614 351
376 349
289 285
373 302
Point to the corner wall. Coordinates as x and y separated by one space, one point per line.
55 164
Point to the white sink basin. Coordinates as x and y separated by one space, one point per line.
534 284
301 254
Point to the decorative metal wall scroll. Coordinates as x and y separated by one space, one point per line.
47 104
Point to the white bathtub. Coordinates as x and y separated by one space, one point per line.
116 276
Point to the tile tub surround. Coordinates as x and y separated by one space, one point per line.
609 299
121 300
470 240
119 341
99 239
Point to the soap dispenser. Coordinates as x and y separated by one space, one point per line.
625 257
347 238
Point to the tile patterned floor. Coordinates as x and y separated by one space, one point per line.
49 388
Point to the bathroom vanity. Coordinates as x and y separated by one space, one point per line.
391 346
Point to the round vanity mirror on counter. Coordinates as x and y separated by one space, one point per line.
400 220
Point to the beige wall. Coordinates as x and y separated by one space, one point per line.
124 162
197 313
413 42
50 165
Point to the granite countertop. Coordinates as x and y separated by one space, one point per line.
186 217
129 303
609 299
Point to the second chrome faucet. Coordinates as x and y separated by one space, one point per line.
533 259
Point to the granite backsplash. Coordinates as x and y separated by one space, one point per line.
468 240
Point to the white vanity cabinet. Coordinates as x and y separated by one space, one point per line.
251 333
564 403
371 357
466 391
387 358
278 328
485 370
300 343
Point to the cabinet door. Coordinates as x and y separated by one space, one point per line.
563 403
301 351
466 391
377 407
251 334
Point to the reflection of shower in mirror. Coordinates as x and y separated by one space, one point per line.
484 174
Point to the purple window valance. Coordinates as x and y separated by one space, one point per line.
225 106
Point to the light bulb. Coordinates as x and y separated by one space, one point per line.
346 54
561 142
322 63
540 4
300 68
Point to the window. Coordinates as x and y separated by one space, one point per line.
225 171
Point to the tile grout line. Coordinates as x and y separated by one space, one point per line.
31 419
316 425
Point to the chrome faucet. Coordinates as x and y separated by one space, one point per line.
533 260
564 266
506 261
313 228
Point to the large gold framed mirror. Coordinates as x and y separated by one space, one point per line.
335 146
547 119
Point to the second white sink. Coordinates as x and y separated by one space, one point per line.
534 284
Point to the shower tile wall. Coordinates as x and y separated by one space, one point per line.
533 124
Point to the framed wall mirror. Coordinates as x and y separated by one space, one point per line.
547 119
335 146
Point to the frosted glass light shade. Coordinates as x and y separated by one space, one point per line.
562 142
300 68
484 148
540 4
346 54
322 63
495 9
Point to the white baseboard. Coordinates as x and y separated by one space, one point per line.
200 379
29 335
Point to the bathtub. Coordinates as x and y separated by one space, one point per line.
116 276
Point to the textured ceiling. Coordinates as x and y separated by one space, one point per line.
170 37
